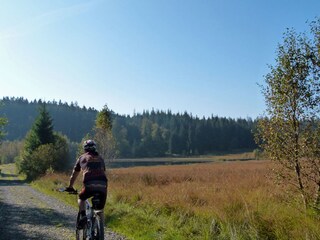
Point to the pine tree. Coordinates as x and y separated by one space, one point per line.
43 148
41 132
104 120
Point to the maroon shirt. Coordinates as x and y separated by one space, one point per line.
93 167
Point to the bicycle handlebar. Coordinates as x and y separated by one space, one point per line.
68 190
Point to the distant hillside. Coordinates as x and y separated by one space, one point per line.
70 120
147 134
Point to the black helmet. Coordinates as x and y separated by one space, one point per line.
89 146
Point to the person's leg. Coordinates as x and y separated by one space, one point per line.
82 218
82 205
103 199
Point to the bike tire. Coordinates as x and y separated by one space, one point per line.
81 234
97 229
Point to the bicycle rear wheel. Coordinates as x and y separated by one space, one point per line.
81 234
97 229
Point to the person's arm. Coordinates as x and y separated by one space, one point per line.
73 178
75 174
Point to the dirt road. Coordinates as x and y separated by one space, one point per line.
28 214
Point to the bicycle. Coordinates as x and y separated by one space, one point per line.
93 229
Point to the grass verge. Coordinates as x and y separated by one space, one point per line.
206 201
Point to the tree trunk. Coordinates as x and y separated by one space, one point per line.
299 178
296 149
317 199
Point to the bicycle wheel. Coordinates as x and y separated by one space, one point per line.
81 234
97 229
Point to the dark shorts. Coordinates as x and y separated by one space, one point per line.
91 189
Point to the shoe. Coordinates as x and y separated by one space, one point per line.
82 222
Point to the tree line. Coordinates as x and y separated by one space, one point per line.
148 134
69 119
160 133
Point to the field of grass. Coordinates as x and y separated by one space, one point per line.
225 200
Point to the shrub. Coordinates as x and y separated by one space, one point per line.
47 156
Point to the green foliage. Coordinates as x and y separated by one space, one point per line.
103 134
147 134
158 134
162 223
3 122
41 131
52 156
69 119
289 132
104 119
61 154
36 163
43 149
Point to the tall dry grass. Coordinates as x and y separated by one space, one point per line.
201 187
225 200
240 196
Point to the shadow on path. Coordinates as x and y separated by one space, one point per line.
8 175
20 219
15 220
14 182
10 180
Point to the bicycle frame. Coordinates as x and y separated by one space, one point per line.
91 214
94 219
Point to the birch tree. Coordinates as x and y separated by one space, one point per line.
289 132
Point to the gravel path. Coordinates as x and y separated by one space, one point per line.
28 214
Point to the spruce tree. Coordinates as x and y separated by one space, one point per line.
41 132
104 120
43 149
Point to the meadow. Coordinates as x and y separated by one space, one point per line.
220 200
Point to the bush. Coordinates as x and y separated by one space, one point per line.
35 164
47 156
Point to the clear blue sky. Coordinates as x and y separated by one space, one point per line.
200 56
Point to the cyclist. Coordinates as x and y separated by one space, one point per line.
94 179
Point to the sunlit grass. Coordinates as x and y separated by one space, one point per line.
9 172
234 199
229 200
